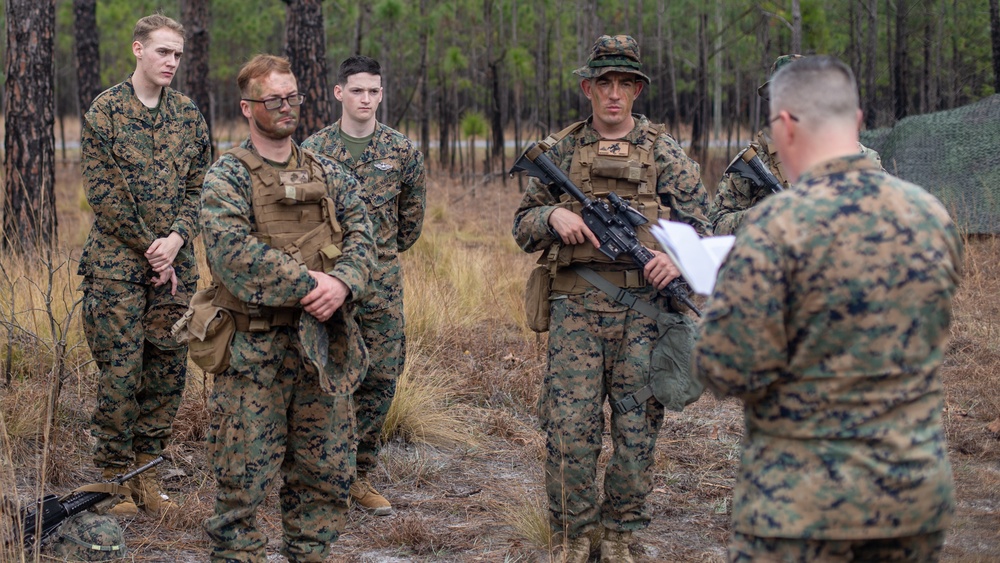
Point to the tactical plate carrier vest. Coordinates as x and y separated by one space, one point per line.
292 212
628 170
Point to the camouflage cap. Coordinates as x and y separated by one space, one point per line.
314 341
89 537
781 61
613 54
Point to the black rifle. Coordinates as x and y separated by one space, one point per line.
50 512
613 225
748 165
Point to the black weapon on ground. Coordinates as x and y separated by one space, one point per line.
41 519
748 165
613 225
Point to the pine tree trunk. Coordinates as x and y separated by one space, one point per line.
995 39
29 218
306 49
196 15
871 48
88 57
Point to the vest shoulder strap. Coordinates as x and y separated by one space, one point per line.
255 164
551 140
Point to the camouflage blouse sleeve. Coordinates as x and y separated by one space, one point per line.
412 201
108 192
732 198
679 185
355 264
200 153
253 271
742 346
531 220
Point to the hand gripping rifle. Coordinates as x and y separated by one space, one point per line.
748 165
613 225
41 519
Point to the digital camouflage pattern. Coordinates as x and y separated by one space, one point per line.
88 537
736 194
142 173
830 319
391 175
269 403
599 349
921 548
613 54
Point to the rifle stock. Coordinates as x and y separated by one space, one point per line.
748 165
48 513
614 229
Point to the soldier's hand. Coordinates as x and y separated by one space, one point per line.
328 295
162 252
571 228
660 270
168 275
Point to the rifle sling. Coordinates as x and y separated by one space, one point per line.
627 298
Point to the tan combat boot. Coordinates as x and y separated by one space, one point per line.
576 550
363 493
148 494
125 507
614 547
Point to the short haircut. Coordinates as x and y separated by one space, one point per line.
258 67
815 90
356 65
147 25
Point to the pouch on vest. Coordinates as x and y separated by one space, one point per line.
536 299
673 384
208 331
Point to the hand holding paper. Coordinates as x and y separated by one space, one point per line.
698 259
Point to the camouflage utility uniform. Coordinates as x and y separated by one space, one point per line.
598 348
830 320
391 173
271 413
143 171
736 194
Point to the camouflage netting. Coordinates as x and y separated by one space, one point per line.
953 154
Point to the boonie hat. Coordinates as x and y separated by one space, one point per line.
781 61
619 53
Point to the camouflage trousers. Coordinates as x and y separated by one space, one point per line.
385 339
923 548
598 350
140 383
270 417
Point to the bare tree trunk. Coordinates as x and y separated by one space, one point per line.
901 66
717 75
496 116
196 15
796 27
88 57
425 107
871 48
699 129
306 49
29 214
995 39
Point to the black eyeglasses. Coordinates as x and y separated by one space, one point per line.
275 103
777 117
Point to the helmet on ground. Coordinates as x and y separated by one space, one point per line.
88 537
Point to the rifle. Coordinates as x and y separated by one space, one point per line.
748 165
50 512
613 225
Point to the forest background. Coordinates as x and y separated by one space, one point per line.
463 455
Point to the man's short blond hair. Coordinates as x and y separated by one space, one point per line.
258 67
147 25
816 90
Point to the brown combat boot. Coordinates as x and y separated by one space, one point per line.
363 493
614 547
148 494
576 550
125 507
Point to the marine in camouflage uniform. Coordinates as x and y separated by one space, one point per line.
391 172
273 412
598 348
736 194
830 320
142 169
